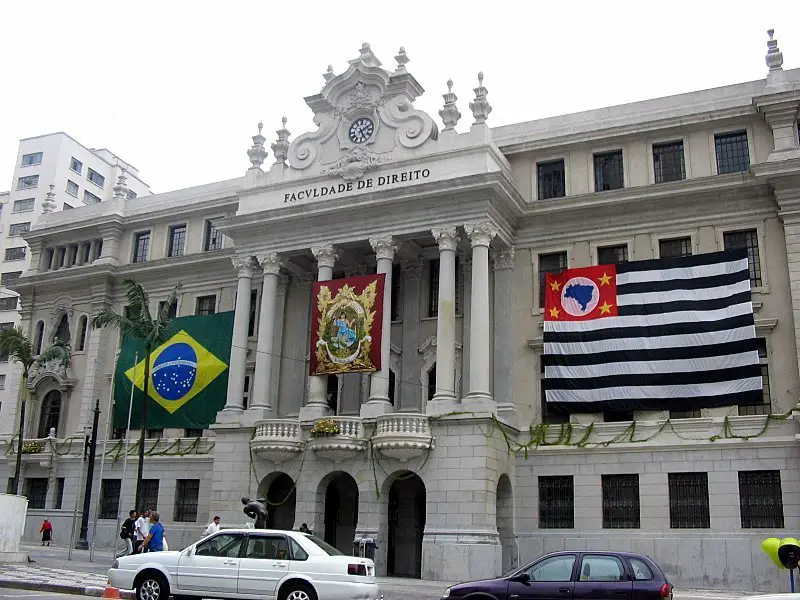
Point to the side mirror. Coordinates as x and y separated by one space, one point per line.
521 578
190 551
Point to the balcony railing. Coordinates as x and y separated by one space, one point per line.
403 436
277 439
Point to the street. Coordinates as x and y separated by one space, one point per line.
31 595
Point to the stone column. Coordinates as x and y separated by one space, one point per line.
503 384
378 403
238 364
408 396
317 405
277 343
465 263
262 378
54 259
480 393
444 400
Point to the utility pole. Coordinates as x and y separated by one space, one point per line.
83 542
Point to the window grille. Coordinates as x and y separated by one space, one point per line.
761 499
8 303
109 498
675 247
19 228
131 195
747 239
621 502
72 188
177 240
173 308
549 263
192 433
764 407
551 177
90 198
612 255
141 247
688 500
733 155
206 305
24 183
668 162
608 171
95 178
150 493
31 159
36 491
76 165
154 434
25 205
556 502
187 492
213 237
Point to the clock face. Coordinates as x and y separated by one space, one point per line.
361 130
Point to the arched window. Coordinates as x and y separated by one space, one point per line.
391 386
62 332
51 413
432 382
38 337
83 323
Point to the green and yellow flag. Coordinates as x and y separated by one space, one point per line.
188 375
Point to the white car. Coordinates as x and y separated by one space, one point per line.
248 563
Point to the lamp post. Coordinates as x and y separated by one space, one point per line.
83 542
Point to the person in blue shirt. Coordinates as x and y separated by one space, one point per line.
155 539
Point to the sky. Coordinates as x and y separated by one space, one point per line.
176 88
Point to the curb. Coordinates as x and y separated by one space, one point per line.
63 588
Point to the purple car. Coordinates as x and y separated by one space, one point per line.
578 575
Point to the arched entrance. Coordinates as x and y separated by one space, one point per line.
278 490
341 510
50 413
406 526
505 524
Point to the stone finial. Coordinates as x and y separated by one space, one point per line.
774 56
49 205
450 114
281 147
480 107
402 60
367 57
121 187
258 153
329 74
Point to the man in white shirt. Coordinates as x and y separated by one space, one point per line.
212 527
142 528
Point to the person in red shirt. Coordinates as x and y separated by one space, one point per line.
47 532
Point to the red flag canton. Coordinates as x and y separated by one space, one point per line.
581 294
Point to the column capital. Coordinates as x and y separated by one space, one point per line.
383 246
325 255
270 263
503 259
446 238
480 233
412 269
244 265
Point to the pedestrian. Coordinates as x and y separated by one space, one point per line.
47 532
128 532
304 528
212 527
154 542
142 528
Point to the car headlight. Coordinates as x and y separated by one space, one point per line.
115 564
446 593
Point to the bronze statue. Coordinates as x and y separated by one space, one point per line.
256 509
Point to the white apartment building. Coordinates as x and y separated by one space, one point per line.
52 172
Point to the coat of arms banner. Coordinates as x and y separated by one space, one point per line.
346 325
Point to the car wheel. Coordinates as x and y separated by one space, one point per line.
152 586
298 592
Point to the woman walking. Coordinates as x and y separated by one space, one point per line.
47 532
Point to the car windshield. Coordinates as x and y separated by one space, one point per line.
326 547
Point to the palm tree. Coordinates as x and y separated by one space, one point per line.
138 322
18 348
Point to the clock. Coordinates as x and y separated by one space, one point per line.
361 130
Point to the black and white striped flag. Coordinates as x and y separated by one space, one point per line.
675 333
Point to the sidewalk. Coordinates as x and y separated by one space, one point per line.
52 572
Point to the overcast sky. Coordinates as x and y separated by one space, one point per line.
176 88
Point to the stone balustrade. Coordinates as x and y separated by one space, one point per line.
75 254
403 436
348 442
277 439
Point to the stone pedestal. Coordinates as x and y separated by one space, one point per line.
13 510
232 478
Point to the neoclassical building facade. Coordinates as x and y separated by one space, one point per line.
448 456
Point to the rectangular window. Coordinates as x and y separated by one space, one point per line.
213 237
612 255
31 159
19 228
668 162
192 433
2 382
617 416
59 493
688 501
556 502
72 188
554 262
154 434
95 178
8 303
251 323
16 253
733 155
177 240
76 165
675 247
761 499
173 309
187 491
608 172
109 498
90 198
206 305
549 415
621 501
764 407
551 177
433 288
26 183
396 291
692 413
747 239
25 205
141 246
246 397
131 195
36 491
150 493
10 278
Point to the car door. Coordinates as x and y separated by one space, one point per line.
212 566
602 577
264 563
550 579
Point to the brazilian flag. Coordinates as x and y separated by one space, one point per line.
188 375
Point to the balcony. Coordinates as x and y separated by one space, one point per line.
37 451
337 438
403 436
277 439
